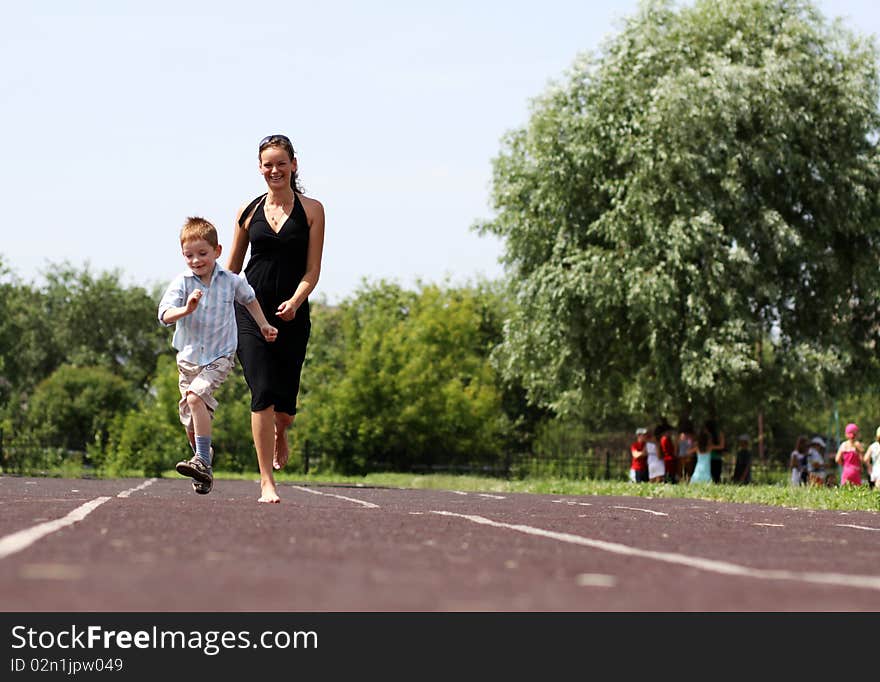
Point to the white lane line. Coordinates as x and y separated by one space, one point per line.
126 493
573 502
647 511
494 497
772 525
725 568
458 492
15 542
368 505
595 580
852 525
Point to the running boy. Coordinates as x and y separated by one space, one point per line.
200 302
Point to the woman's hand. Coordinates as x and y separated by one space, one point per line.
286 311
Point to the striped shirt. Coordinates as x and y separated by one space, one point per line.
209 332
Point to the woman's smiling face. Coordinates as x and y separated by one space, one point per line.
276 167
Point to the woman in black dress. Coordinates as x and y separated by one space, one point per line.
285 232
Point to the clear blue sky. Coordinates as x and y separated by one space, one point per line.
120 119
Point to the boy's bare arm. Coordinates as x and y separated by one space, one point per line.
172 315
267 330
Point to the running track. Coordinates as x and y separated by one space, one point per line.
153 545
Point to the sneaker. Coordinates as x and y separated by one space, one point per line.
195 469
203 488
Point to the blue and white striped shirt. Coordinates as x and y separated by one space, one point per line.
209 332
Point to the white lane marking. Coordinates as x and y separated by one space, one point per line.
647 511
771 525
595 580
725 568
126 493
573 502
458 492
368 505
15 542
851 525
494 497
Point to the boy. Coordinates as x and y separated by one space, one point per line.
200 300
639 469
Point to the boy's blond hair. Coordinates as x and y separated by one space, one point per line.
198 228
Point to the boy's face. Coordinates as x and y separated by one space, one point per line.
200 256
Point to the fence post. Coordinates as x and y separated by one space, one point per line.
306 448
607 465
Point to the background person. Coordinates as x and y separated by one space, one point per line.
849 457
666 441
717 446
797 462
638 472
816 471
703 468
656 466
687 449
872 461
742 468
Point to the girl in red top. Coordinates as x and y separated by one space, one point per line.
639 469
667 451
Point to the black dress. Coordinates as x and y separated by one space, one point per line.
275 268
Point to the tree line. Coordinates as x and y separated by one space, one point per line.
690 220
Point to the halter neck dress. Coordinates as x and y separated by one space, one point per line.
276 266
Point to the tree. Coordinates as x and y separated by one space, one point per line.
403 378
691 217
99 321
74 406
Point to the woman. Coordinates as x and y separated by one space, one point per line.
717 447
285 232
656 466
703 469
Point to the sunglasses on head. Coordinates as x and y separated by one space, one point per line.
269 139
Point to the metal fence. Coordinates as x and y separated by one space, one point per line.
592 465
607 465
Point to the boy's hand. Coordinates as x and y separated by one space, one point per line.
269 332
193 300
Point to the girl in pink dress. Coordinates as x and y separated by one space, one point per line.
849 456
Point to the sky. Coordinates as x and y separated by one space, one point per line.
121 119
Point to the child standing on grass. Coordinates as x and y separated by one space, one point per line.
638 472
703 469
849 457
200 302
872 461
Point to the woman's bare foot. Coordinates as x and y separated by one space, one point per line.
269 494
282 451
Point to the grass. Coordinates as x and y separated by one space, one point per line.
781 494
847 498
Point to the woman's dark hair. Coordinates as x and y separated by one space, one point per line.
711 426
281 142
703 441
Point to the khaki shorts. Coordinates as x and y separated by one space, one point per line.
203 380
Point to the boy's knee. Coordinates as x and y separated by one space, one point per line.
193 399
